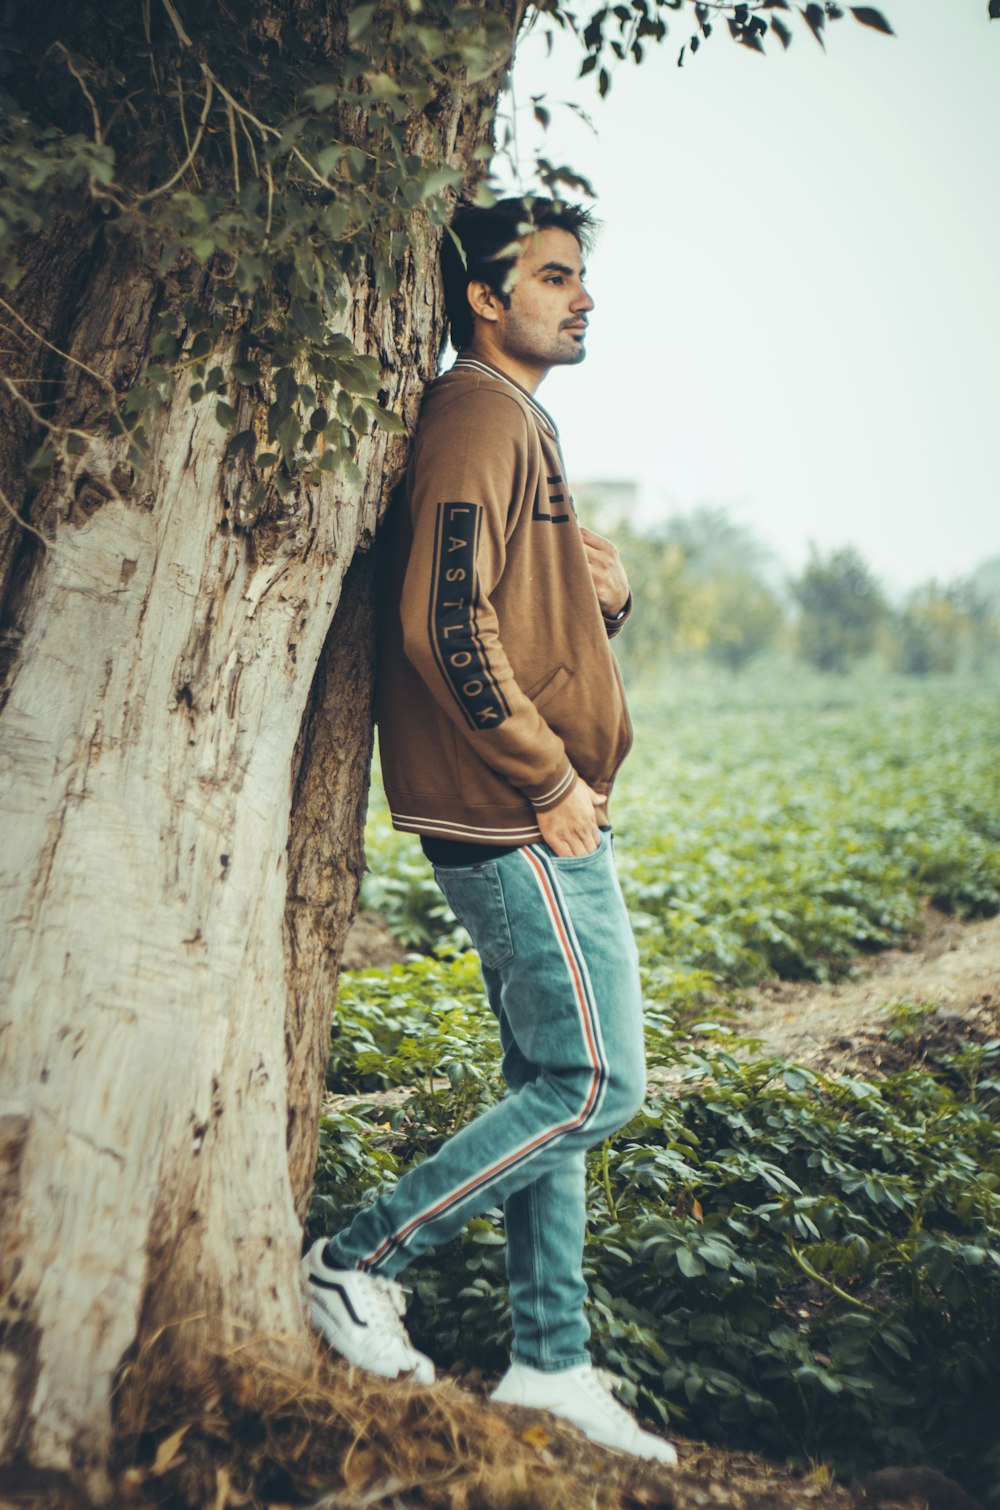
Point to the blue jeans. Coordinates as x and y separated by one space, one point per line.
561 972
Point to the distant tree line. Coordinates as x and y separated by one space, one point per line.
709 589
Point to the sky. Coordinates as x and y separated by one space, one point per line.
797 283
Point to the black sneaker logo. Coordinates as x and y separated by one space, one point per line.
331 1284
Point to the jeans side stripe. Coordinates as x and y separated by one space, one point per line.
553 896
582 992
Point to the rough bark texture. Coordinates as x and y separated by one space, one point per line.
184 748
326 856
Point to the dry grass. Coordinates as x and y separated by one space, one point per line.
241 1430
245 1431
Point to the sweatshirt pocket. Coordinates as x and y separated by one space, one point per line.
549 686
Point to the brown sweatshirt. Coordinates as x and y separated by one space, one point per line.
497 684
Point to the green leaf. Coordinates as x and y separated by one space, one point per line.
138 399
831 1384
243 443
815 17
225 414
247 373
441 178
869 16
164 344
689 1263
328 159
386 419
706 1328
288 434
897 1344
358 21
40 466
322 96
782 32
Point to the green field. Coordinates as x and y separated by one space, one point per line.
805 1265
778 825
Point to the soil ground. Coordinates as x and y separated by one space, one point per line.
952 972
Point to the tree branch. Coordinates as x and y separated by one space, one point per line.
188 161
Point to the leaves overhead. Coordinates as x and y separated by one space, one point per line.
268 161
270 166
868 16
781 31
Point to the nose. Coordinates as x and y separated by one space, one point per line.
583 302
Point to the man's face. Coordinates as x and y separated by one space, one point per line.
546 324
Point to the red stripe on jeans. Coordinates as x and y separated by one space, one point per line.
558 928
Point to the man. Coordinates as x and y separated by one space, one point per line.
502 723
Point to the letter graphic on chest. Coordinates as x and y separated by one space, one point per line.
453 613
556 497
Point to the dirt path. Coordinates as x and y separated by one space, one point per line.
953 972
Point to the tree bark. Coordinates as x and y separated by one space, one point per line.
184 749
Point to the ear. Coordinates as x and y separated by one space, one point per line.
483 301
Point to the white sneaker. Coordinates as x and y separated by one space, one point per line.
360 1315
578 1395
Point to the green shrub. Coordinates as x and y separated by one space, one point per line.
777 1259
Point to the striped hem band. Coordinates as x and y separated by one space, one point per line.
551 797
413 824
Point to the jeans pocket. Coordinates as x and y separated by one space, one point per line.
475 896
573 861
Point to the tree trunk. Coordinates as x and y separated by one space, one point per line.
183 792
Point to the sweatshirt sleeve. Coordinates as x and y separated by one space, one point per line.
470 471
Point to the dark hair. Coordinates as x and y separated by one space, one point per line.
486 236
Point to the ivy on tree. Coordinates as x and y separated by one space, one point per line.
261 183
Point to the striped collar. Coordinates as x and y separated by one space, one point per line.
475 365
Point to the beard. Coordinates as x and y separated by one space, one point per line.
526 339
